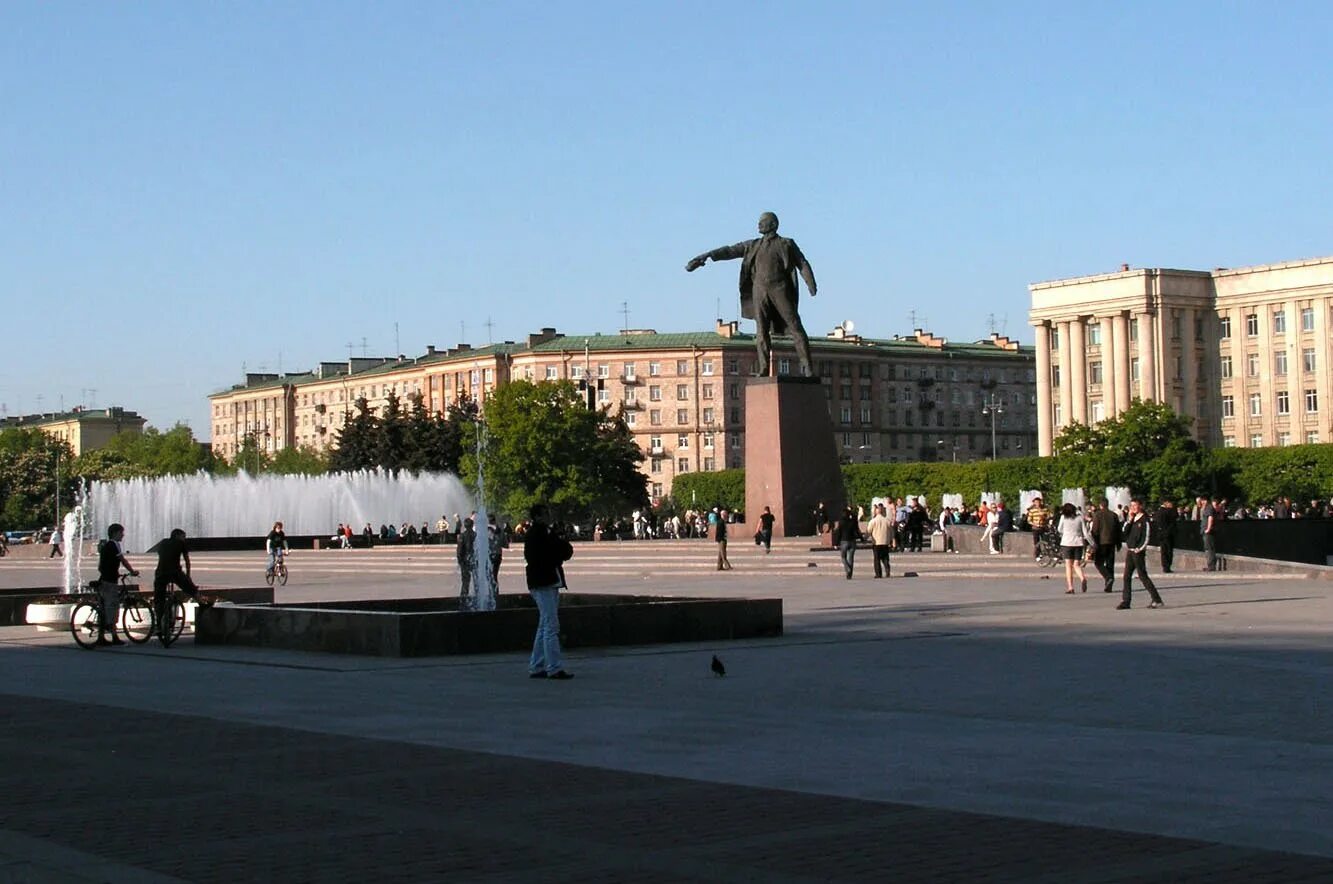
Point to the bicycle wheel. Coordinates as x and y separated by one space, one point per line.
282 574
86 623
136 619
269 576
174 625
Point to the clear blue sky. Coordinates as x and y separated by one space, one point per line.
186 187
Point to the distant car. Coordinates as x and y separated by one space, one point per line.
13 537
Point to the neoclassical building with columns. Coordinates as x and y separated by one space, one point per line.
1244 352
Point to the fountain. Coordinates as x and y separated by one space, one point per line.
484 590
75 529
247 506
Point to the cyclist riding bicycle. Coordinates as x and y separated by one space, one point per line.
276 547
110 556
170 553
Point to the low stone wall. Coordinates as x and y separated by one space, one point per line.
429 627
14 602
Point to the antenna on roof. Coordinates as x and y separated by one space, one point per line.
364 349
397 347
624 310
918 320
349 350
92 397
990 322
489 326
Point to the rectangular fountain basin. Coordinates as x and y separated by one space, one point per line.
435 626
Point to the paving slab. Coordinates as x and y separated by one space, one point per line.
977 688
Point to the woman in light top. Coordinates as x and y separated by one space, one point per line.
1074 540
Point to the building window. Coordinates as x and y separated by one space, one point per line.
735 440
1312 437
1175 325
550 376
654 369
654 393
1198 328
733 366
1307 319
682 392
1284 439
1094 372
709 464
1055 375
1252 324
707 367
708 440
1055 337
1133 329
629 371
655 443
1283 402
1256 405
1226 366
1055 411
1279 322
708 416
784 367
845 414
655 417
655 465
1307 360
631 418
1311 401
683 441
865 415
1252 365
1094 334
1224 327
682 464
657 489
682 416
1256 440
603 395
682 367
844 391
1228 406
1097 412
1280 362
1228 441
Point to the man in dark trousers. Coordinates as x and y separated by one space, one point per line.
1137 535
1163 531
466 552
765 537
173 566
1105 530
769 293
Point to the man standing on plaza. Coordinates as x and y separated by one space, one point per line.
1137 535
768 287
766 521
1105 530
720 536
545 553
1038 518
1163 528
881 531
466 553
1207 524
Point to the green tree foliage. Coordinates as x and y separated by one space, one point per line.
301 460
391 441
357 444
250 456
706 490
544 444
30 460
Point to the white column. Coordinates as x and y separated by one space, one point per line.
1110 374
1078 371
1321 378
1267 387
1148 358
1123 384
1044 404
1066 360
1189 380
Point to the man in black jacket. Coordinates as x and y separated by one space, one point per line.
1105 529
1137 534
1163 531
545 553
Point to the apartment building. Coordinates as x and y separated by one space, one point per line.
83 428
1243 352
907 398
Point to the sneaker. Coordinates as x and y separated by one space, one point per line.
1123 606
1157 604
560 675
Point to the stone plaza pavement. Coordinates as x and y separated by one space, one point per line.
969 724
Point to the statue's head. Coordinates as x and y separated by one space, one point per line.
768 223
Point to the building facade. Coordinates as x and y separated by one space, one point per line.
1243 352
681 394
83 428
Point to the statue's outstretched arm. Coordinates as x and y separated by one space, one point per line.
724 253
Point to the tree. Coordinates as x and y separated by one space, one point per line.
30 461
391 443
302 460
357 440
544 444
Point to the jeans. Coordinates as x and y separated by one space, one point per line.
546 644
273 557
1210 552
848 550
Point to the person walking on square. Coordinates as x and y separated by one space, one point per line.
545 553
766 520
495 543
1138 534
846 532
466 552
56 540
720 536
1105 530
1074 539
881 532
1207 525
1163 528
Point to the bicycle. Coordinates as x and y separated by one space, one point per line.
136 616
170 630
277 572
1048 549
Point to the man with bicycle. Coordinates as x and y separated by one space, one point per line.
170 555
1039 520
276 546
110 557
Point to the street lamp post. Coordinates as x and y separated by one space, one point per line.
993 405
